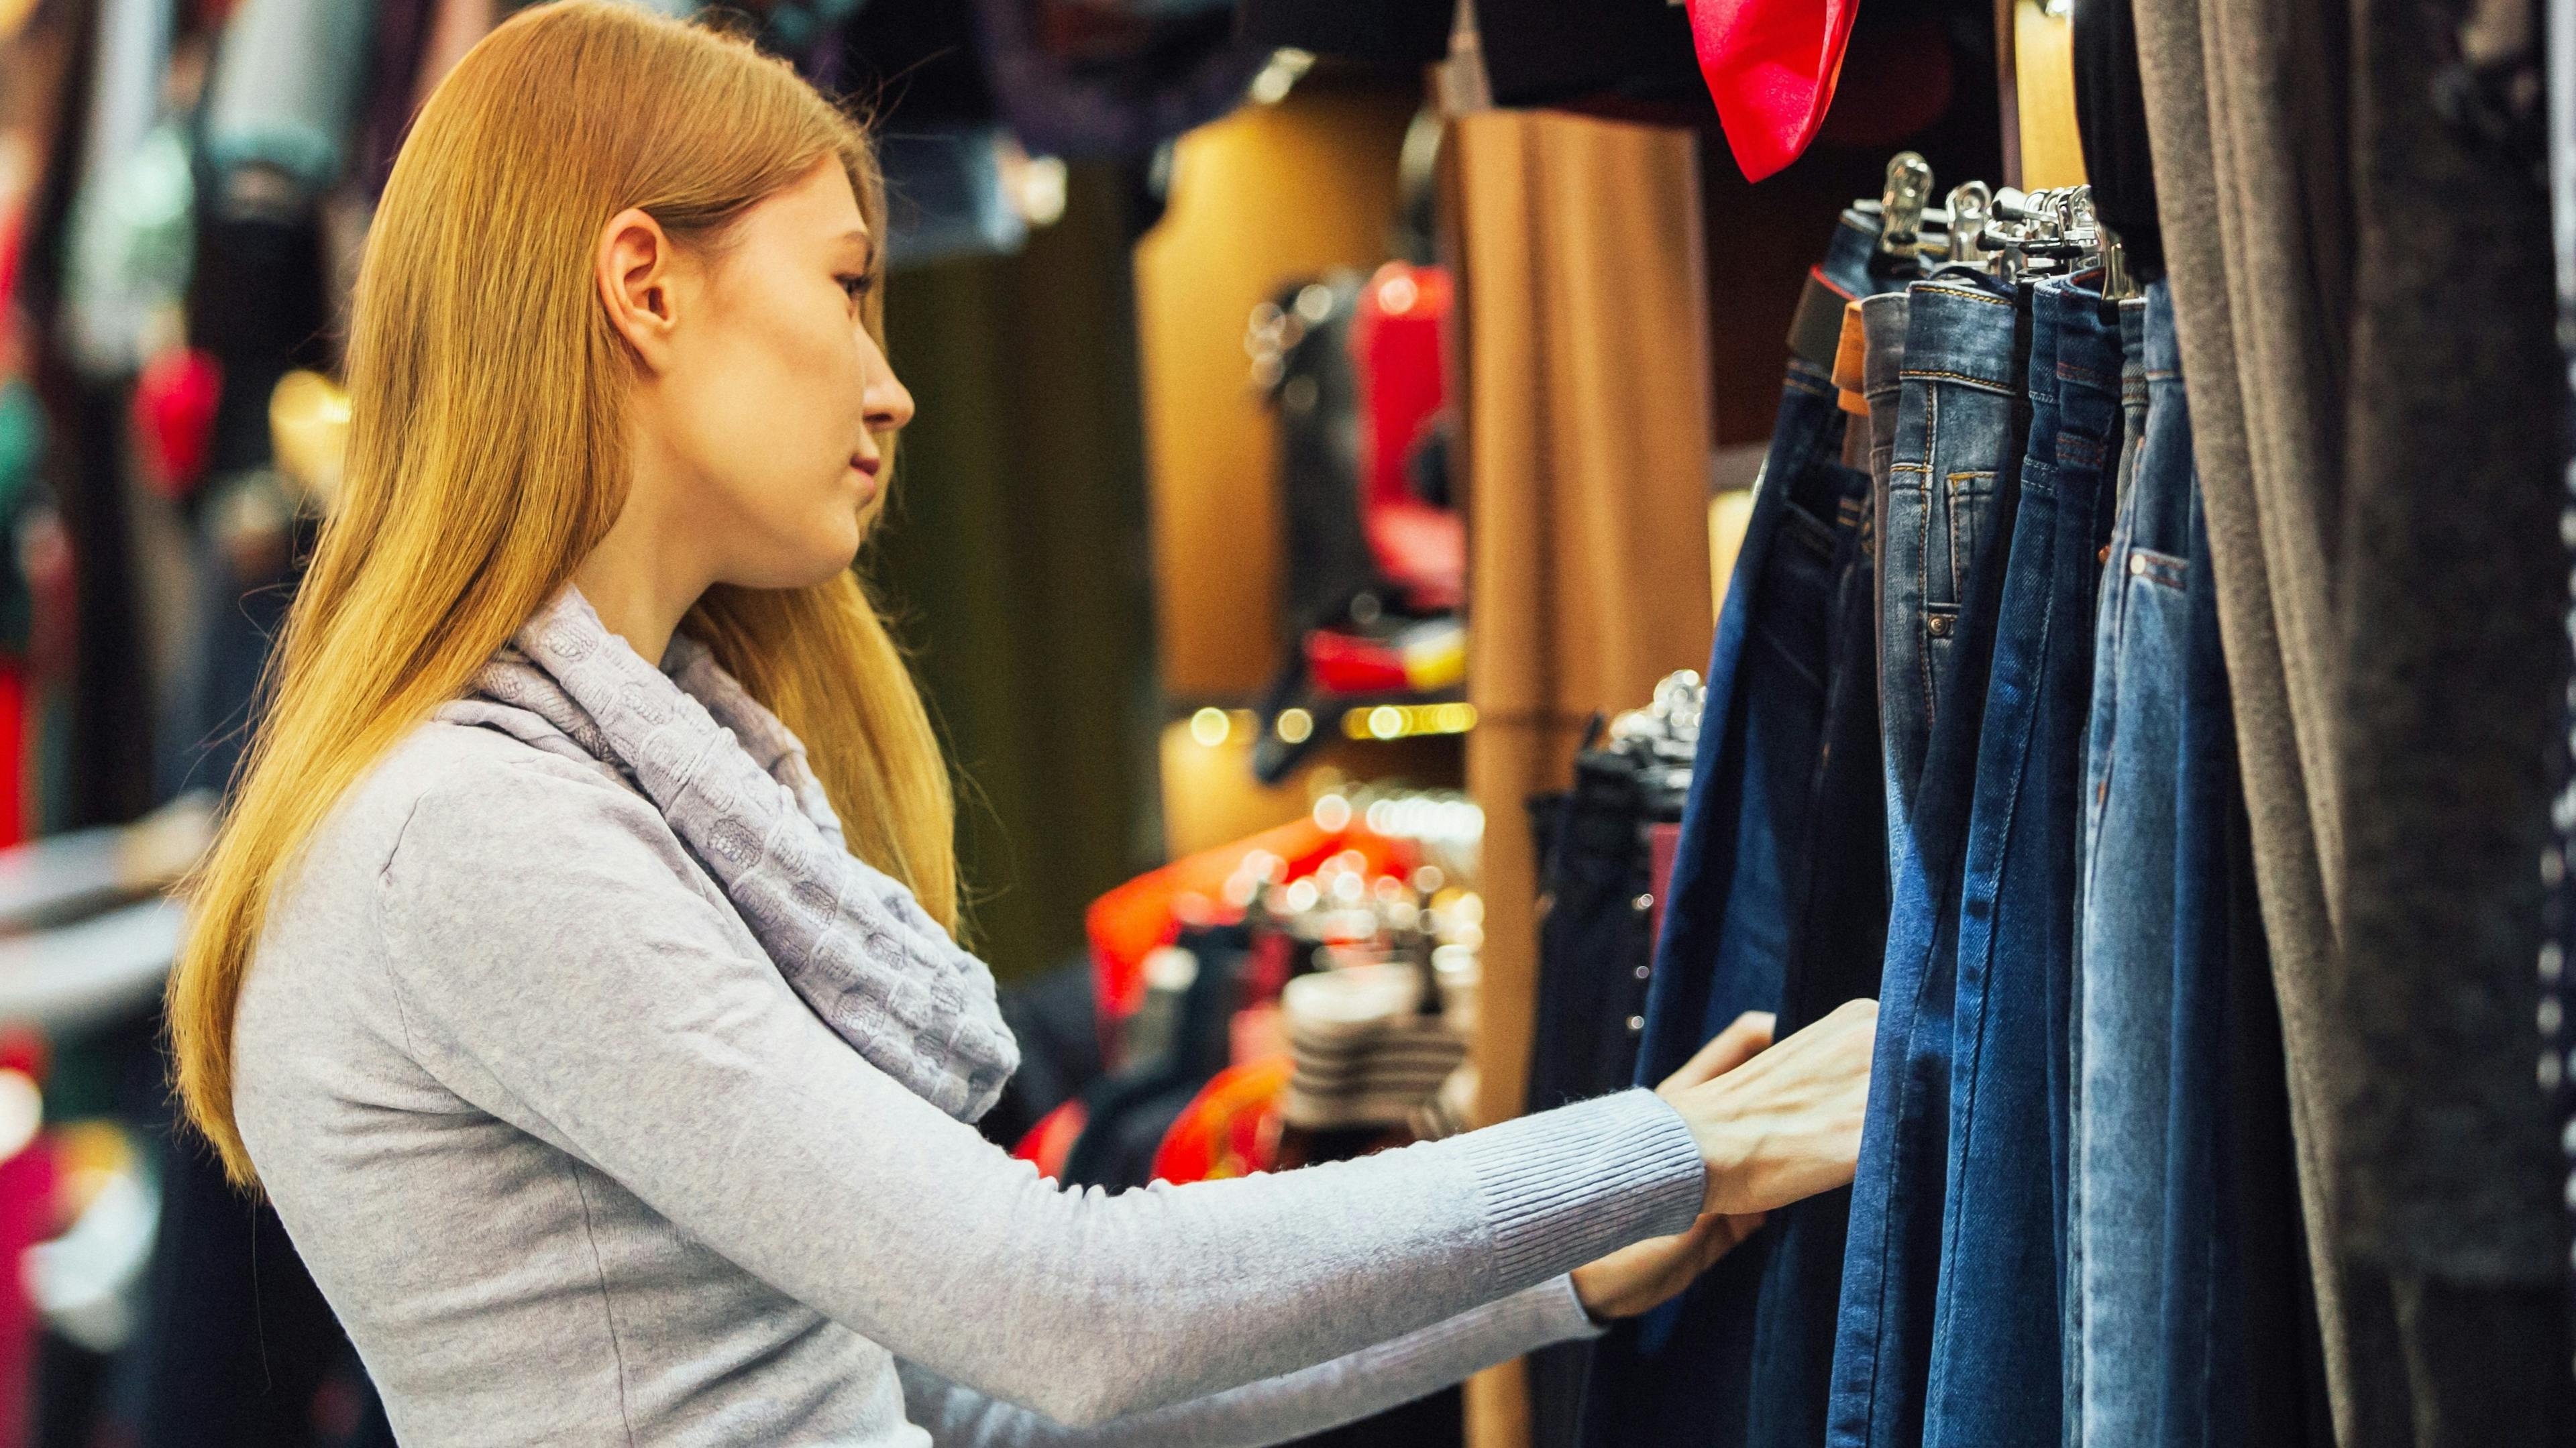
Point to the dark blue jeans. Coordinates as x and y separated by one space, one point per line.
1840 948
1994 1374
1953 480
1759 861
1595 943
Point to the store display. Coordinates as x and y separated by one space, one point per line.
2143 669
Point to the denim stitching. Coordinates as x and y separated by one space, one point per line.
1932 289
1986 384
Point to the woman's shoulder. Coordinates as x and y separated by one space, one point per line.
445 775
474 811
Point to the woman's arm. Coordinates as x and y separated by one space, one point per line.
1273 1410
559 970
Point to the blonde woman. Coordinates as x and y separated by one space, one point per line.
597 1025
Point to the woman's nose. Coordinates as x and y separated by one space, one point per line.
888 401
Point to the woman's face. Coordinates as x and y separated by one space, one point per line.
764 397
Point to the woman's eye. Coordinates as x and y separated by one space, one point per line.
857 285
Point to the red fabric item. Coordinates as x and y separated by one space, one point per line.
1051 1140
1230 1129
1395 347
1771 66
13 235
1343 664
13 764
174 418
28 1182
1663 842
1395 351
1130 922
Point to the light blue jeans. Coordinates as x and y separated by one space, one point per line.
2131 1171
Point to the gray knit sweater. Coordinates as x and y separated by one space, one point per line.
575 1166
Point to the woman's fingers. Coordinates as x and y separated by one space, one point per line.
1746 1037
1638 1278
1786 1123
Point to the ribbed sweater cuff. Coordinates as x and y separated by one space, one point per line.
1563 1187
1563 1316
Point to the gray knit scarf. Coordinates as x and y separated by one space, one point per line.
735 786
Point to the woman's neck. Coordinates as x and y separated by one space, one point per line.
631 608
636 581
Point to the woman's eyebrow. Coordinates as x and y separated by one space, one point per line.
866 244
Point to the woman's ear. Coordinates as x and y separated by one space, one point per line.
638 272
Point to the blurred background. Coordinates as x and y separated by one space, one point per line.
1334 420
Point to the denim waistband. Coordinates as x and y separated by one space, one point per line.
2164 349
1882 322
2133 347
2075 375
1848 254
2070 310
1959 329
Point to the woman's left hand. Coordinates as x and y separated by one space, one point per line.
1641 1277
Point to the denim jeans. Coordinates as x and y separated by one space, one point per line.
1958 429
1840 952
1995 1375
1953 479
1882 321
1763 854
2157 1343
2106 661
1594 946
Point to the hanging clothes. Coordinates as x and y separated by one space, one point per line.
2003 1206
284 95
1771 66
2261 385
1953 484
2382 558
2557 1069
2449 582
2111 123
1597 924
1778 884
2187 1321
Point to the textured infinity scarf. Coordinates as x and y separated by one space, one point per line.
735 786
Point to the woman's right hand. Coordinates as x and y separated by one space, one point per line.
1785 1124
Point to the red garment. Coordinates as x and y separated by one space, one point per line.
1395 351
1663 844
30 1183
13 751
1230 1129
174 418
1128 923
1771 67
1051 1140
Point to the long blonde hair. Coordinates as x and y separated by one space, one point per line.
488 394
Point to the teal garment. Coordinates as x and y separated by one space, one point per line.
285 88
22 448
